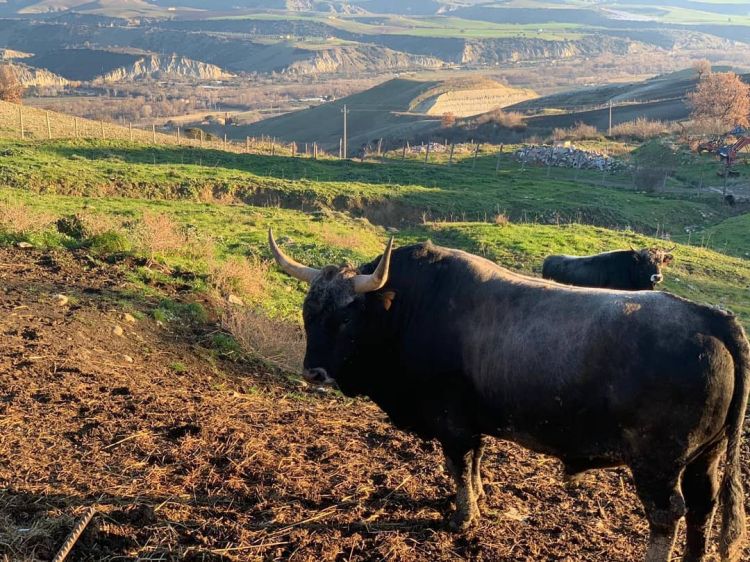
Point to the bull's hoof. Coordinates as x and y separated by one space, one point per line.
462 520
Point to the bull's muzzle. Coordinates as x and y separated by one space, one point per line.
657 278
318 376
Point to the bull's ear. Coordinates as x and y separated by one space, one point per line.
386 298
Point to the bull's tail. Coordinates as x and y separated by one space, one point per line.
732 495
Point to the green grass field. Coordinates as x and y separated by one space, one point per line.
320 211
394 194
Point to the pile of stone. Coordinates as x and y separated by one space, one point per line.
434 147
568 157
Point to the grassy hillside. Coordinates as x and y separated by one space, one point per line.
731 235
61 125
396 193
220 231
233 198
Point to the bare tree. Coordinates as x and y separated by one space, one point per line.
11 88
721 98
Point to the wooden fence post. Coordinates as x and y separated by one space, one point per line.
403 151
130 130
49 127
315 150
450 158
476 153
380 147
178 135
20 121
247 144
341 147
427 153
75 126
294 149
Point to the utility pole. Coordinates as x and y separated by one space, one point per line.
609 133
345 111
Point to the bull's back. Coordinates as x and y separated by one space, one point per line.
561 361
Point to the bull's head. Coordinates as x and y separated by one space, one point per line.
647 267
337 313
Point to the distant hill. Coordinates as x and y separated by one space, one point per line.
410 109
381 111
397 108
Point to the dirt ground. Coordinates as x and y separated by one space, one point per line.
189 456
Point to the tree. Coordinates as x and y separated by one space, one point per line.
448 120
11 88
721 99
702 67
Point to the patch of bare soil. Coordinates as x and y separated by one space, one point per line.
191 457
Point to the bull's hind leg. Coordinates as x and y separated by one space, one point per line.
700 485
664 506
459 459
476 470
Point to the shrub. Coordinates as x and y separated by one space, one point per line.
158 233
243 276
640 129
280 343
579 131
72 225
501 219
110 242
11 89
19 219
507 120
448 120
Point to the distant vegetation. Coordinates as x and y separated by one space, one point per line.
11 88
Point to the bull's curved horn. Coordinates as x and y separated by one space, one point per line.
293 268
672 249
379 277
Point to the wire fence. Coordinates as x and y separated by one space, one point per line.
25 123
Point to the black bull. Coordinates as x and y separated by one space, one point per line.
629 270
453 347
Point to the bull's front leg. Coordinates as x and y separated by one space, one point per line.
459 461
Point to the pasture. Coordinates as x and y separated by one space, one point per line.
188 426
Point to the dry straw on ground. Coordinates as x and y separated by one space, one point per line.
246 277
281 343
17 218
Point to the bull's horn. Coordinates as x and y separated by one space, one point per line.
293 268
379 277
672 249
